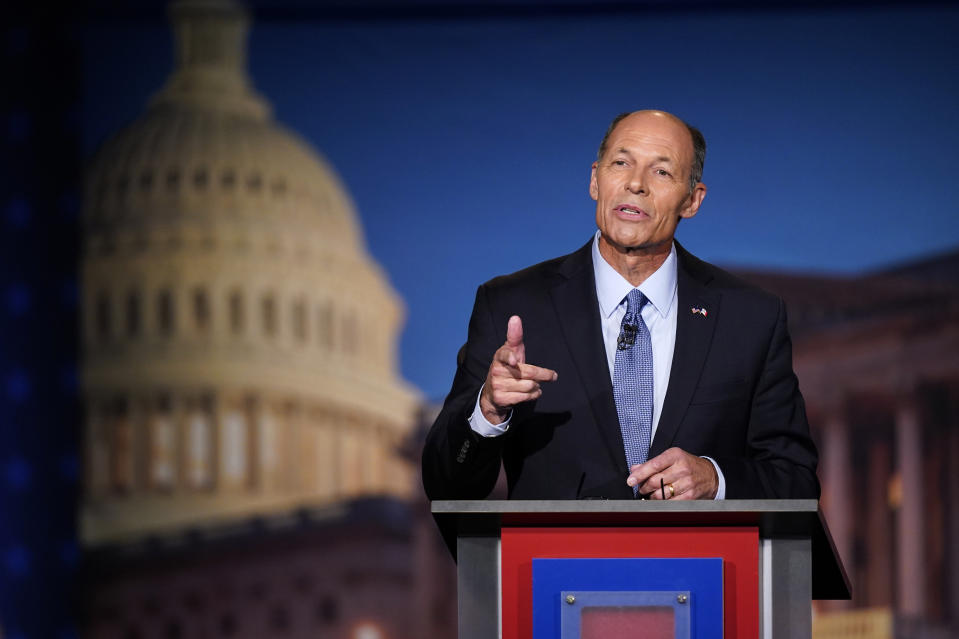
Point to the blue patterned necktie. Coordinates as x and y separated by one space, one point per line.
633 381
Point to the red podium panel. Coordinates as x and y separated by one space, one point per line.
737 545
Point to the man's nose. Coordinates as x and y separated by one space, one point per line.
635 183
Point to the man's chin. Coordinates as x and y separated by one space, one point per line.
636 246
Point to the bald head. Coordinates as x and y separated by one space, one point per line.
697 141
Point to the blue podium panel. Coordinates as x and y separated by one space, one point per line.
700 580
603 614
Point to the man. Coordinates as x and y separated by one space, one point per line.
680 389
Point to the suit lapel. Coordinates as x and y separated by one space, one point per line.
574 299
694 333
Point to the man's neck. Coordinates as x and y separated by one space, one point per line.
635 264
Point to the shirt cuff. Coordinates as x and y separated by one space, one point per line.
481 425
721 491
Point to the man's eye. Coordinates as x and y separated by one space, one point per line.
662 172
619 162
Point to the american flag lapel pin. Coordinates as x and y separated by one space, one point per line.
698 311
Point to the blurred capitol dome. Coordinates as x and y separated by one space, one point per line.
239 344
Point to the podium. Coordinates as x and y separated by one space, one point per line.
777 556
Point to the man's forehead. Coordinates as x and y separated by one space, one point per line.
666 146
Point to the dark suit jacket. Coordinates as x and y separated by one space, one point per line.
732 393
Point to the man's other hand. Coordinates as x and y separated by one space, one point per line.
691 477
510 380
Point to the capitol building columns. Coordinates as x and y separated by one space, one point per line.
195 442
878 536
911 515
838 481
882 404
877 470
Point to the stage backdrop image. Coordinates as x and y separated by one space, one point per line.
252 263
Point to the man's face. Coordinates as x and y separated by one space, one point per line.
641 184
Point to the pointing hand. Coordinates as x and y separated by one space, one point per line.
511 380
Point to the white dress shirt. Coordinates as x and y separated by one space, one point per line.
659 314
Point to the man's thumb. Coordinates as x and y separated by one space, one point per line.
514 332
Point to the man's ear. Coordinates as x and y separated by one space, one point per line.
593 187
695 200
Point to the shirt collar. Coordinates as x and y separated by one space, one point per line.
611 287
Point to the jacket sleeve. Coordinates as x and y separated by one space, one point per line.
457 462
781 458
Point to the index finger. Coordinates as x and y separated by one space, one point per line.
640 473
537 373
